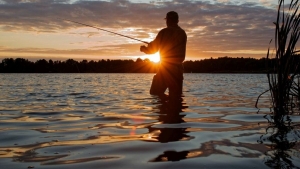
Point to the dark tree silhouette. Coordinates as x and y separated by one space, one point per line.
218 65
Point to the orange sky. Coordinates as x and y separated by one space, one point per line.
31 28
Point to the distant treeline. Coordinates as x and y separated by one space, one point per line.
219 65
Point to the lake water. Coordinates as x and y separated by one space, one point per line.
111 121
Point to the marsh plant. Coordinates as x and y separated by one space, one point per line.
281 134
284 78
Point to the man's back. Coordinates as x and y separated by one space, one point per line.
172 44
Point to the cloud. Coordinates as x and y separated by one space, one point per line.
218 26
96 52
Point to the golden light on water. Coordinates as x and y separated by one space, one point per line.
132 131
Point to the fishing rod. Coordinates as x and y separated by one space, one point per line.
104 30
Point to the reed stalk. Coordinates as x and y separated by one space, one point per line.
283 87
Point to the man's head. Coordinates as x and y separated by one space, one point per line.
172 18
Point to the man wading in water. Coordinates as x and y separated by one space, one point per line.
171 44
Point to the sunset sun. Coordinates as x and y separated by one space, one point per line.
154 57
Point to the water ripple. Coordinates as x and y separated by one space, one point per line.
111 121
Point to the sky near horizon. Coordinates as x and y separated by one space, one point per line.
32 29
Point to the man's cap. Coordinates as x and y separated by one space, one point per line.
172 15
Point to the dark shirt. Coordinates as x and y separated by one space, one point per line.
171 44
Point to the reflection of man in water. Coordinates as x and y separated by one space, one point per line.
171 44
169 114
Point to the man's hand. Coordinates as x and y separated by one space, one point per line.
143 48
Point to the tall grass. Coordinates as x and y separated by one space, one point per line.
284 87
283 84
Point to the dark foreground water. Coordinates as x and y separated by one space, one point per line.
111 121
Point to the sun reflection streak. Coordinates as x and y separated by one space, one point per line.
132 131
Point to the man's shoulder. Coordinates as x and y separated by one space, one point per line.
167 29
170 31
164 29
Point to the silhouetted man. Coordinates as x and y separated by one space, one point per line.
171 44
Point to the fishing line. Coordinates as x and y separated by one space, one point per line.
104 30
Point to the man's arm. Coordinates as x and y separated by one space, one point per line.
153 46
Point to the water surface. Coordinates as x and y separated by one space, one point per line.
111 121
